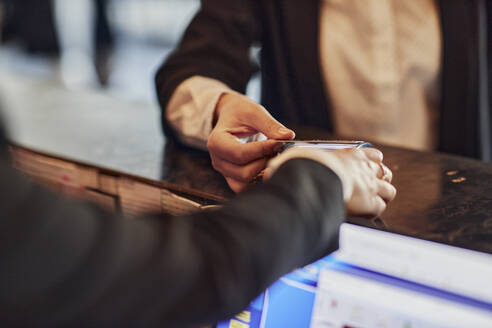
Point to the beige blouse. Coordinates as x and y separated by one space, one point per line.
381 63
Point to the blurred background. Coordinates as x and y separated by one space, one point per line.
112 46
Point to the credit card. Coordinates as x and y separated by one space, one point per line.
323 144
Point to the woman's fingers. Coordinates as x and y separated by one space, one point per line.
386 191
236 186
373 154
242 173
379 207
366 180
384 173
376 156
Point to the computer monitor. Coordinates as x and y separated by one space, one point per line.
379 279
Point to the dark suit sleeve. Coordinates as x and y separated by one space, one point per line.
65 263
217 45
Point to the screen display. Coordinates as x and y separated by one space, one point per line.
415 284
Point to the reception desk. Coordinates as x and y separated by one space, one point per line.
116 148
113 152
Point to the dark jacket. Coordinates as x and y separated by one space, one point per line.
64 263
217 45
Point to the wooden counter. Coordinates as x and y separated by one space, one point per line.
120 146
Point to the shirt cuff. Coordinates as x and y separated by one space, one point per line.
191 109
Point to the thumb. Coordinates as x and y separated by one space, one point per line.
263 122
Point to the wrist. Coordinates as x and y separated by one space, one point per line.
328 159
224 98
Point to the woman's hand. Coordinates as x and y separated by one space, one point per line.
366 181
239 117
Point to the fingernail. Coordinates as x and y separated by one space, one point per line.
284 131
380 154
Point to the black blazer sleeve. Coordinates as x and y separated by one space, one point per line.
66 263
217 45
